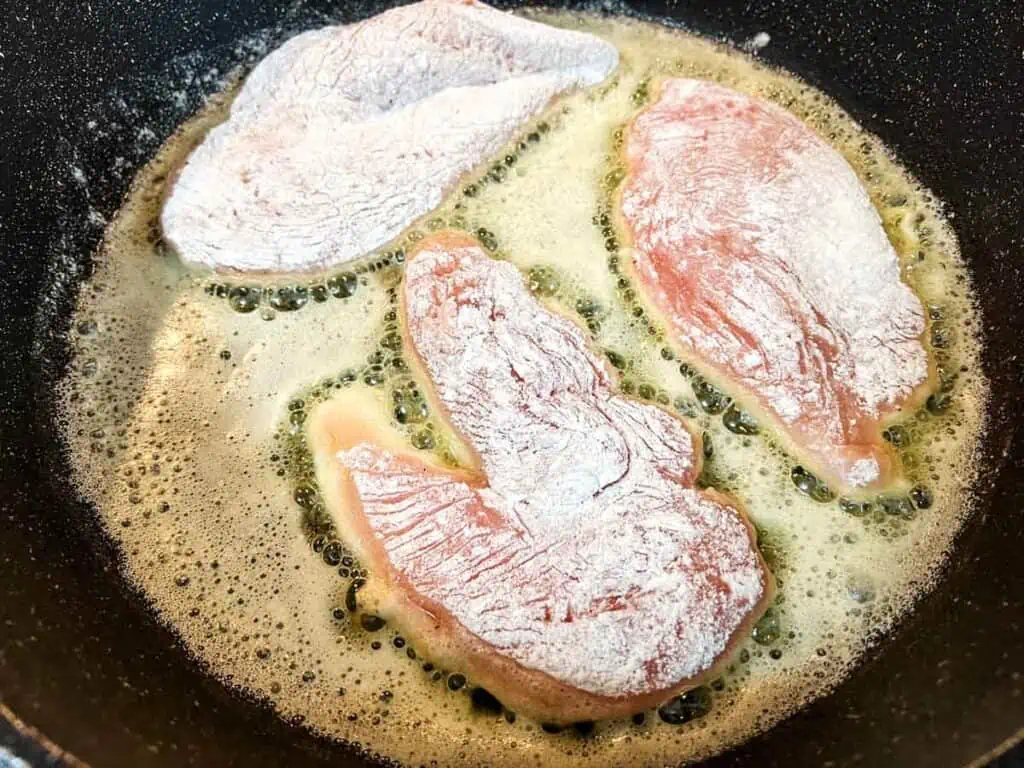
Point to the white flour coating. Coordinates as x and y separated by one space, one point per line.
758 242
863 472
588 555
344 136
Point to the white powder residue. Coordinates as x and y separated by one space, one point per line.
755 43
864 472
345 135
758 242
589 535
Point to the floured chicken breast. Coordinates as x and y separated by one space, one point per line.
573 569
344 136
760 248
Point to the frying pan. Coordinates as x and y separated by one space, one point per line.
86 671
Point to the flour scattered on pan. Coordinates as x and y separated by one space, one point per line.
756 43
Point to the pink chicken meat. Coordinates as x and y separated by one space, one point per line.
765 257
344 136
572 568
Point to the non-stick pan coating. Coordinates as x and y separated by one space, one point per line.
82 661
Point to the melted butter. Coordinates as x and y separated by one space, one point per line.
177 416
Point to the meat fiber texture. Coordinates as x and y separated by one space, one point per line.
344 136
759 247
570 567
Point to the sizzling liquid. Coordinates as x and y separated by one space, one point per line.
185 430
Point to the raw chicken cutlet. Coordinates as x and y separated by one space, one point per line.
344 136
572 568
763 253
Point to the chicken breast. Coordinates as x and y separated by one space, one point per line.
344 136
571 568
768 262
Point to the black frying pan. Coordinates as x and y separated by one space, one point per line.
84 667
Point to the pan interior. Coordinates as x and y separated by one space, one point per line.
179 415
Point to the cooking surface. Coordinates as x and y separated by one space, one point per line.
951 683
